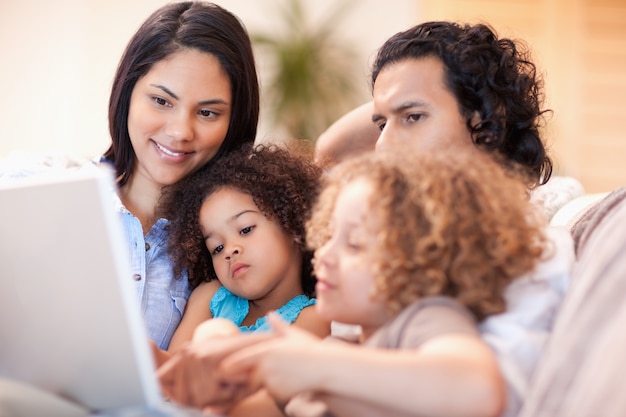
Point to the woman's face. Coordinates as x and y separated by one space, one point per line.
414 108
344 265
179 116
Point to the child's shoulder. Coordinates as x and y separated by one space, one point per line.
424 320
308 319
206 290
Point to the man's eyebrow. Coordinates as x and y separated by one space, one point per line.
202 103
409 104
400 108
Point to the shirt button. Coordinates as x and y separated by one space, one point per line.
137 277
147 246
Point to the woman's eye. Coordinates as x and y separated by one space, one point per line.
217 250
160 101
381 126
207 113
246 230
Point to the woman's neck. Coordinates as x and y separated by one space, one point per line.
141 199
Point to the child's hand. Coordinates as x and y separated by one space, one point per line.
276 364
190 377
160 356
217 327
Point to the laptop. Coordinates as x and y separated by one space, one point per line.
70 323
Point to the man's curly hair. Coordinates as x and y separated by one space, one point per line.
283 184
454 224
489 76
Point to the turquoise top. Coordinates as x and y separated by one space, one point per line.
227 305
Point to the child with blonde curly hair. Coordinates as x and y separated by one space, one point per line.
451 225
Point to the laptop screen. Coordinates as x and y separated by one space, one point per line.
68 316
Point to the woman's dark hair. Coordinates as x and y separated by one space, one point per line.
200 26
283 184
489 76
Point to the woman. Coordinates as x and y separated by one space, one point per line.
185 93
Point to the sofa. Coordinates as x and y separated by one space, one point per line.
581 372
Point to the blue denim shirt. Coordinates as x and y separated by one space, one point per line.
161 296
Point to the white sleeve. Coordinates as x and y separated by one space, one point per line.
518 336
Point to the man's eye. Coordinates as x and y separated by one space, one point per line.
381 126
414 117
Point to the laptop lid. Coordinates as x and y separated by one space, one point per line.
69 321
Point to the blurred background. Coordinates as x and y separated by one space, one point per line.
313 57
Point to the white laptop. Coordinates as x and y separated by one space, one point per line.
69 319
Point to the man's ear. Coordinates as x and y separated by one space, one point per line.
476 119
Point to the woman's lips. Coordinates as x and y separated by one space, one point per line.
170 154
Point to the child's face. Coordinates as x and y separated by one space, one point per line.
344 265
252 256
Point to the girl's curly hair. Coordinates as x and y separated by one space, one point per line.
453 224
489 76
283 184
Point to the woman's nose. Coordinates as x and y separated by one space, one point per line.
180 127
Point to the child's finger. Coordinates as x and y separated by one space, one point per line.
244 361
279 326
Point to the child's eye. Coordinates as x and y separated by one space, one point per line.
217 250
354 246
246 230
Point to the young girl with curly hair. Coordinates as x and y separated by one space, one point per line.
238 230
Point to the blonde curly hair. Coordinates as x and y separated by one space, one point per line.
453 223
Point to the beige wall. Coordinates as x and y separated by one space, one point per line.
59 56
580 46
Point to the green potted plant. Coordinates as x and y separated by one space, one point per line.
314 75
